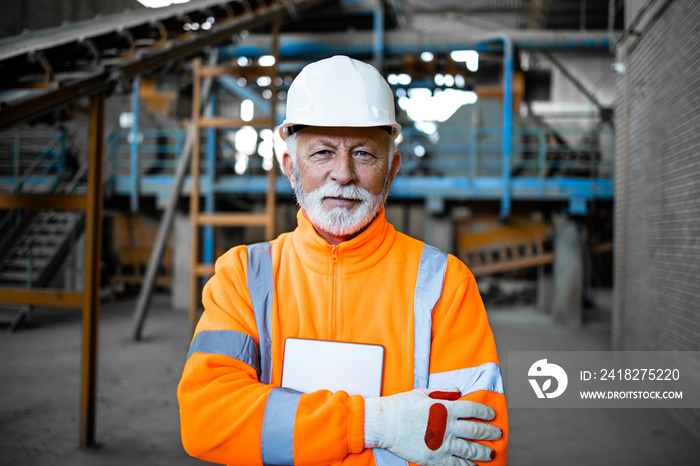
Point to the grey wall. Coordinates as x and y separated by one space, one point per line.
657 187
593 69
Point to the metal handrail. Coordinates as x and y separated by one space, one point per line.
54 151
44 152
55 146
479 141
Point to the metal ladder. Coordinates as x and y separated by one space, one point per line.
199 219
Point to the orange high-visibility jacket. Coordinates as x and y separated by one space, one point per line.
382 288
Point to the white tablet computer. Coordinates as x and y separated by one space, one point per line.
311 365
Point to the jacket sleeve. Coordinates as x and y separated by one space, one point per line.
464 352
228 416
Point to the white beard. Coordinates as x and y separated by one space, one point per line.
340 221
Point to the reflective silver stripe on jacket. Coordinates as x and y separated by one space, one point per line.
260 281
386 458
470 379
429 282
277 440
229 343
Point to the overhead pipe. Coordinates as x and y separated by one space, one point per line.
299 46
134 145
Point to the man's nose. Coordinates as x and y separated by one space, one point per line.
343 169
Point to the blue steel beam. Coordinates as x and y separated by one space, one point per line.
378 29
244 92
507 120
405 187
210 177
134 145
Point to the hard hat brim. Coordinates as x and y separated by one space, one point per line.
287 129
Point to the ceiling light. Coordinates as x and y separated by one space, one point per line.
160 3
266 60
469 57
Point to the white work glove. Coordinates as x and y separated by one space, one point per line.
428 428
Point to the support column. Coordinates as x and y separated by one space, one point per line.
271 198
378 46
182 243
567 303
507 142
194 192
93 250
544 290
210 179
439 231
507 125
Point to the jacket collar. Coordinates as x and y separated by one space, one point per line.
358 254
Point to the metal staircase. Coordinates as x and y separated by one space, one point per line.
35 244
38 249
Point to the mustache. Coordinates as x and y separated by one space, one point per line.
333 189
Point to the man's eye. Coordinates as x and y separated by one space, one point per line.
363 154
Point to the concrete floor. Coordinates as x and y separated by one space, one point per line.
137 414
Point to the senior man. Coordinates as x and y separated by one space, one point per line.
344 275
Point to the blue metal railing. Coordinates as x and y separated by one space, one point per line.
465 162
32 160
474 152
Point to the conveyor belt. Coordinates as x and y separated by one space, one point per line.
48 69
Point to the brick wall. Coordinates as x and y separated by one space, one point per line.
657 187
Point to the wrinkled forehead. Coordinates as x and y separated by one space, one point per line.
343 136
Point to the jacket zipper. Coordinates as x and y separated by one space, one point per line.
334 292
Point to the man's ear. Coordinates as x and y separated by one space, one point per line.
288 167
395 164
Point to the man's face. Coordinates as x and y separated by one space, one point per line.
341 177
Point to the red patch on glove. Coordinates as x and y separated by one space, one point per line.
449 396
437 419
437 423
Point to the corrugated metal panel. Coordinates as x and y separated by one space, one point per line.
504 13
470 6
657 239
517 14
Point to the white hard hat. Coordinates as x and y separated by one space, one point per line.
339 91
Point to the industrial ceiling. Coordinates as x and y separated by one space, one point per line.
46 69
